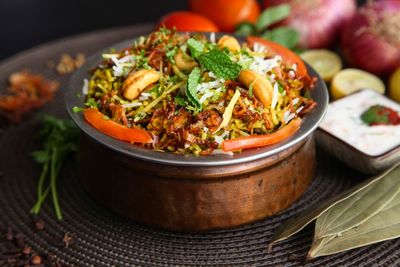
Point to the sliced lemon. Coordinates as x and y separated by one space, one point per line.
348 81
394 86
325 62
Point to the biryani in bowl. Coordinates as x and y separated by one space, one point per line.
193 132
183 93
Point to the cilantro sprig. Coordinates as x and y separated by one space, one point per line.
59 140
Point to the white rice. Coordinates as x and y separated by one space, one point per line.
85 87
131 105
287 116
275 95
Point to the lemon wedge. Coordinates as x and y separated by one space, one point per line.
394 86
348 81
325 62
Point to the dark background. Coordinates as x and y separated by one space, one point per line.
27 23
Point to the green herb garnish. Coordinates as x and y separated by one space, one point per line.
196 48
59 140
272 15
220 64
286 36
245 29
171 53
380 115
77 109
91 103
180 100
191 88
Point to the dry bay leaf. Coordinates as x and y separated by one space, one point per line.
296 224
384 225
359 207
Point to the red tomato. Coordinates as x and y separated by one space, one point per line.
187 21
227 14
287 55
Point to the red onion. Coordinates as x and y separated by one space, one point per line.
318 21
371 39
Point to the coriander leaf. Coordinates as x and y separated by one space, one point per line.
272 15
59 139
280 87
40 156
91 103
196 48
220 64
77 109
180 100
171 53
156 90
250 92
245 29
380 115
285 36
191 89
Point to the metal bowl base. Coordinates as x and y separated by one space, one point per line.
209 198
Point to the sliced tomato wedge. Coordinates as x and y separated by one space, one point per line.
113 129
253 141
287 55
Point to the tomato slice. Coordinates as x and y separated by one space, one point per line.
287 55
113 129
253 141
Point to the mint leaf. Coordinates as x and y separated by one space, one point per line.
220 64
196 48
191 89
272 15
285 36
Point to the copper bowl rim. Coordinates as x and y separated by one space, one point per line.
72 99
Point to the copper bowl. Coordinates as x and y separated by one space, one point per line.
194 193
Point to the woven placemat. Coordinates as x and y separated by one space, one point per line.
101 238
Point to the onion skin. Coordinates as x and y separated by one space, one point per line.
365 48
319 22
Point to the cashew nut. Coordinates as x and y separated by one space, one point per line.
184 62
262 88
229 42
137 81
